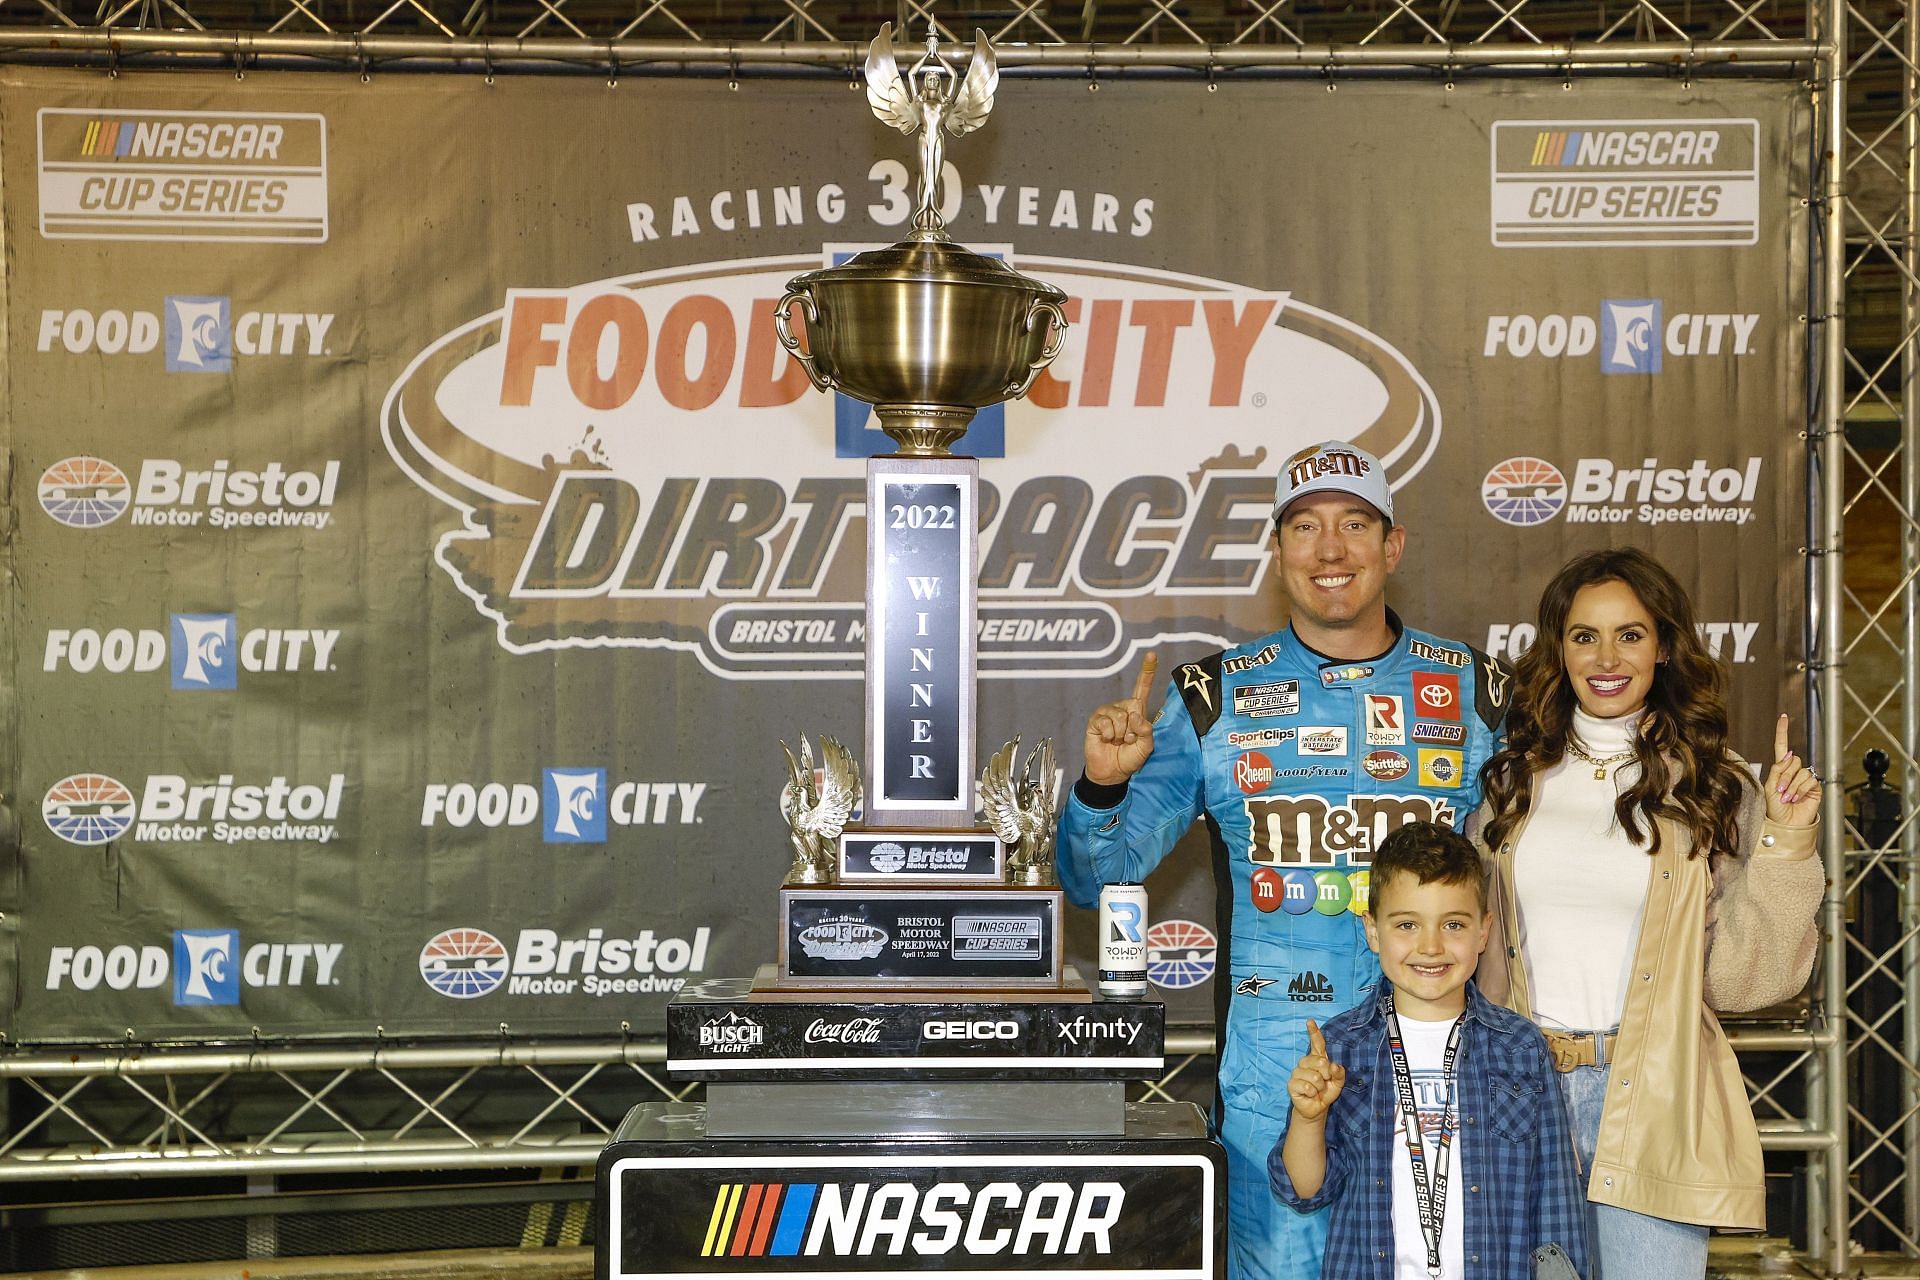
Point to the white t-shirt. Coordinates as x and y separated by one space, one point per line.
1581 884
1426 1044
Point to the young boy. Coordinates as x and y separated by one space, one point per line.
1488 1176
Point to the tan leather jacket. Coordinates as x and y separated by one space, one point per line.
1677 1135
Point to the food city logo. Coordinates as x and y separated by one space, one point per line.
204 966
1528 491
572 805
199 651
201 333
466 963
255 176
85 492
94 809
1630 335
636 461
1729 641
1595 183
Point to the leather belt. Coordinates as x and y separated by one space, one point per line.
1589 1049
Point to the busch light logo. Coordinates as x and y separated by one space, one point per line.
1524 491
84 492
463 964
199 335
574 812
1630 336
204 652
88 809
205 968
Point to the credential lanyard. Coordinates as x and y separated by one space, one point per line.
1429 1195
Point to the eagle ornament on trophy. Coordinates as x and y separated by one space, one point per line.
942 104
817 806
1021 810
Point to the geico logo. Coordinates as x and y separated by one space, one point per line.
1686 334
962 1030
262 649
1730 640
126 968
501 804
864 1219
603 347
591 539
113 332
169 797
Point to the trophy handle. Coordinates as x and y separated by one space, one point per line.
821 381
1055 341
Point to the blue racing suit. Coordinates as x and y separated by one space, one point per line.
1299 765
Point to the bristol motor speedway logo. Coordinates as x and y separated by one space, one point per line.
85 492
203 967
199 651
465 963
637 462
94 809
1527 491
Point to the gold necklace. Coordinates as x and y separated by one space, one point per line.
1601 764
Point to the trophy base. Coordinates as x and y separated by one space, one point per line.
921 937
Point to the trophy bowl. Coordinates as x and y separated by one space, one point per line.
927 332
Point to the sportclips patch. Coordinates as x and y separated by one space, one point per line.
1117 1214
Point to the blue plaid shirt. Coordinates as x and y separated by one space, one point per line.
1520 1184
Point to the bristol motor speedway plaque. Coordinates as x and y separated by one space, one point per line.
980 938
1147 1206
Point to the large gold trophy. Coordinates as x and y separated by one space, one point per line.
918 897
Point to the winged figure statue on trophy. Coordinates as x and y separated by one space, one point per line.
1020 807
941 104
817 806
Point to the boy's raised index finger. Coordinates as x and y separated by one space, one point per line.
1316 1043
1780 737
1143 685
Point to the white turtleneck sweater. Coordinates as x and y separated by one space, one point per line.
1581 883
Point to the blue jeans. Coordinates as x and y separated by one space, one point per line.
1626 1245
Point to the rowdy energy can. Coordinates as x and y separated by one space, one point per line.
1123 941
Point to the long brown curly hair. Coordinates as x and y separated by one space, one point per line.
1686 773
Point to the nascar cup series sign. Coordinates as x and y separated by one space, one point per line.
415 579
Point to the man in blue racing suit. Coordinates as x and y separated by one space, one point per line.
1300 751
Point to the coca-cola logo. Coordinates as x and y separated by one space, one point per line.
852 1031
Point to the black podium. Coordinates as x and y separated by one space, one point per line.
974 1136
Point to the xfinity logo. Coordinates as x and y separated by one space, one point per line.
1086 1030
201 651
206 966
573 806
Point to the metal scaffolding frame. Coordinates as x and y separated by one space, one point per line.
118 1111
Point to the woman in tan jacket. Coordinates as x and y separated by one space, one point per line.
1641 880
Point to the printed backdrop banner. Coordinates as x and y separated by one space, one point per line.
421 543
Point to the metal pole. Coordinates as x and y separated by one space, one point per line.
633 56
1910 602
1827 1079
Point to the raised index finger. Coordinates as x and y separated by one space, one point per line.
1316 1043
1780 737
1143 686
